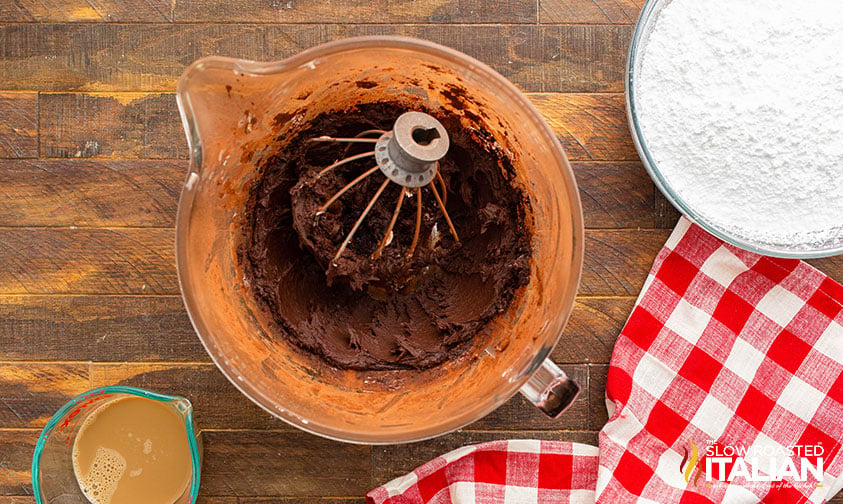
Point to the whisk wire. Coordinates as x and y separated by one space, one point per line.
360 219
345 188
418 223
345 161
392 221
444 212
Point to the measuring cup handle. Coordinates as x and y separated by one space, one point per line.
550 389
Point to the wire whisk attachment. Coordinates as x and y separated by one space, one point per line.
408 155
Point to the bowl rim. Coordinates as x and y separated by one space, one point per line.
649 13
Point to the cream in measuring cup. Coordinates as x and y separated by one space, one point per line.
133 451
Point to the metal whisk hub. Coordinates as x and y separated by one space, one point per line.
408 156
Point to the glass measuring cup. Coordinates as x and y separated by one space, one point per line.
53 479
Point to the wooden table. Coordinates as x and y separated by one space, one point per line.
93 157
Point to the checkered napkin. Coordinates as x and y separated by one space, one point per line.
730 365
510 472
725 351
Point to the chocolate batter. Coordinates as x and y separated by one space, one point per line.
395 311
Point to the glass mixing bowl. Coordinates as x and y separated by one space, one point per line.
235 114
646 22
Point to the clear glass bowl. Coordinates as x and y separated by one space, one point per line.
235 112
646 22
53 479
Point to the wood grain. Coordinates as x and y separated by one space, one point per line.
85 10
584 58
590 11
103 57
289 464
18 125
87 261
617 262
358 11
124 125
16 448
90 193
592 329
666 215
113 328
615 195
235 463
31 392
132 57
140 261
389 462
141 193
597 415
591 127
97 328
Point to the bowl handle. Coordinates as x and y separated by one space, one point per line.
550 389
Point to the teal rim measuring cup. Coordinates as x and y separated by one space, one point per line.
53 480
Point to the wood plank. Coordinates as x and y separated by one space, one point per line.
519 414
288 464
16 448
98 328
592 329
84 10
86 261
357 11
123 125
109 328
140 261
617 262
31 392
591 127
75 192
18 125
216 403
235 463
666 214
389 462
133 57
615 195
831 266
515 51
299 500
105 57
585 58
139 193
590 11
597 415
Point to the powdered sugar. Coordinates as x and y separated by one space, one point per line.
740 103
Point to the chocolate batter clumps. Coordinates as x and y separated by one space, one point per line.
395 311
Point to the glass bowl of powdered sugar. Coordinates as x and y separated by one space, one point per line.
736 108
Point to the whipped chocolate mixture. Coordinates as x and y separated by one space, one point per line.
395 311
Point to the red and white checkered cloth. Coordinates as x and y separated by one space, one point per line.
725 352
